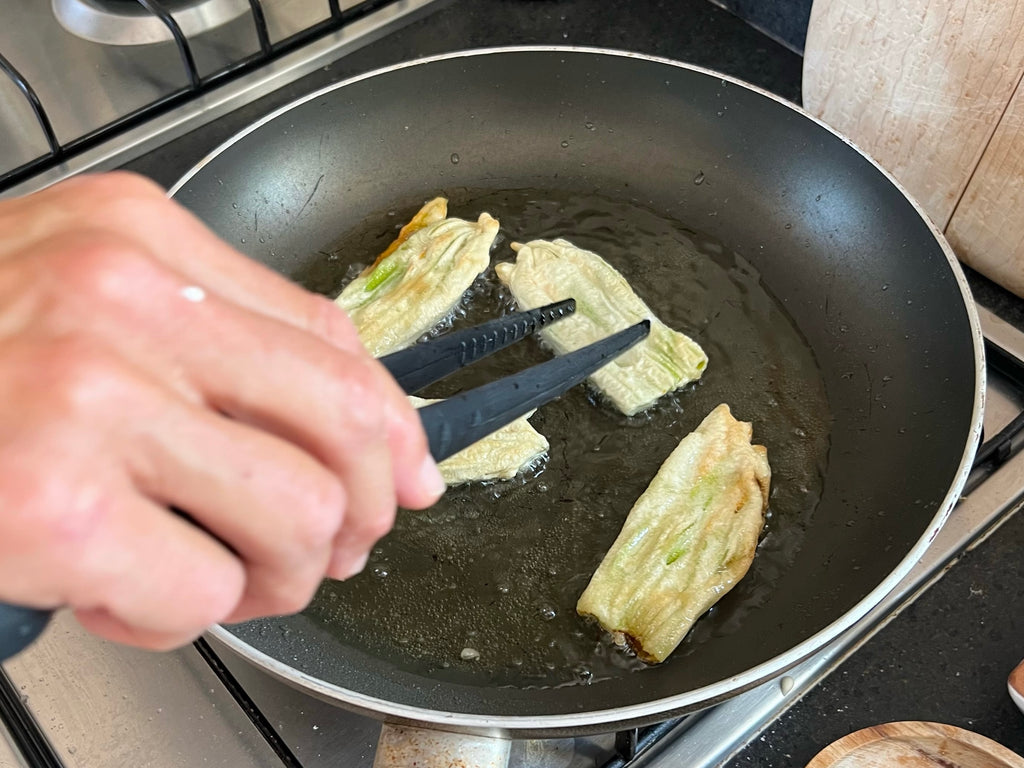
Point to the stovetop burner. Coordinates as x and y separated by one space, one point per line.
137 22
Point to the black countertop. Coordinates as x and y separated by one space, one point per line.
946 657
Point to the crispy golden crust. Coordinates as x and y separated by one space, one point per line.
432 212
414 286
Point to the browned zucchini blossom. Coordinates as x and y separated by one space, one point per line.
419 279
688 539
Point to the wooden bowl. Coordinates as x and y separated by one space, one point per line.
915 744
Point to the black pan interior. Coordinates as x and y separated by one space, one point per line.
791 213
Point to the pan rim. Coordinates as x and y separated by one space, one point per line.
489 724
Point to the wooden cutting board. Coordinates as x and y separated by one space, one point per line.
932 90
987 227
915 744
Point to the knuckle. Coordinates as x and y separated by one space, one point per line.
378 525
361 398
219 602
83 520
407 430
105 269
219 594
319 514
295 600
328 321
293 594
80 377
66 523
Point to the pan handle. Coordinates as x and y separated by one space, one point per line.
19 626
400 746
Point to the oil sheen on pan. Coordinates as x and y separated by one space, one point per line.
482 588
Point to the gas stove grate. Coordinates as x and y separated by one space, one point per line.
248 706
630 743
197 84
56 151
22 728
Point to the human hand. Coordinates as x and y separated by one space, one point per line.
145 365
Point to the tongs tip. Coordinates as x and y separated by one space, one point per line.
462 420
423 364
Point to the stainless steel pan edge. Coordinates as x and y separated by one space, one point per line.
592 721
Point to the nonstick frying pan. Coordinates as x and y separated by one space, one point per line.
835 317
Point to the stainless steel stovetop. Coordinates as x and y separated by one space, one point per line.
93 84
75 701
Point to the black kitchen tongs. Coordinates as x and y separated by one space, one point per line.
460 421
451 424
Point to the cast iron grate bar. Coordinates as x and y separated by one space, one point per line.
184 49
260 22
256 717
35 103
24 731
360 9
633 742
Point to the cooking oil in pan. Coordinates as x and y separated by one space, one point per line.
482 588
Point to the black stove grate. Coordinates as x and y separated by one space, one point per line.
28 91
197 84
255 715
629 743
633 742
